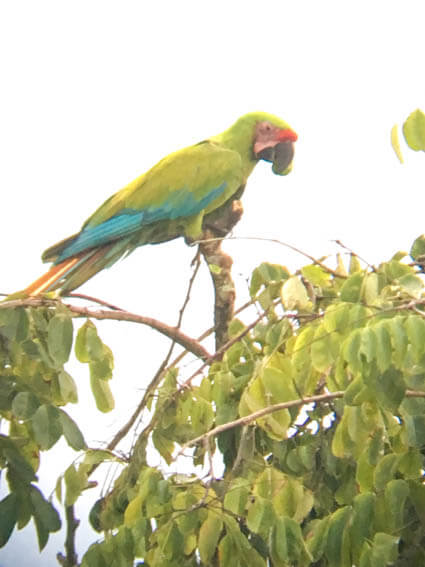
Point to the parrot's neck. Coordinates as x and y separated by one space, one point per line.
239 140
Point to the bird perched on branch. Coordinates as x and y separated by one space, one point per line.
178 196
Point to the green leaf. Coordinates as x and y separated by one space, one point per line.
163 445
46 426
88 345
59 338
293 500
383 347
102 394
278 386
209 535
417 251
71 432
414 130
412 285
396 143
279 544
324 348
18 463
351 288
417 495
228 552
316 275
98 456
370 288
266 273
337 548
396 493
236 496
383 552
102 369
260 515
294 540
355 265
399 342
75 482
410 464
317 537
336 317
24 405
385 471
67 387
415 327
362 521
415 427
294 294
14 323
8 517
170 540
133 512
390 389
202 416
46 518
359 316
351 351
364 472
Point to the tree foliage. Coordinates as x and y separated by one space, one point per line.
308 424
337 481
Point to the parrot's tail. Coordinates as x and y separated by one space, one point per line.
47 281
73 272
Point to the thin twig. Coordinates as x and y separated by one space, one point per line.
271 409
342 245
94 300
276 241
223 349
159 374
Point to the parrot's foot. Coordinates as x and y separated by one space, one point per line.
223 223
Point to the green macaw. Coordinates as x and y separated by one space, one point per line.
176 197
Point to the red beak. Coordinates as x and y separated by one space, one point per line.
272 138
287 136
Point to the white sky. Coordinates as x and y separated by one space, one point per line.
93 93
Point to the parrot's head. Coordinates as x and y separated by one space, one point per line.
274 142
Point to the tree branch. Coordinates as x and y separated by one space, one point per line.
172 333
271 409
218 225
220 265
71 557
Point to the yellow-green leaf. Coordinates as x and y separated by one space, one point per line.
102 394
294 294
209 535
396 143
414 130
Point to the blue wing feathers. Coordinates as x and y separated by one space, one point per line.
181 203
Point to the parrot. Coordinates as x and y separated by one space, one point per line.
176 197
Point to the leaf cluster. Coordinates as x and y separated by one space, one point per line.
337 483
35 344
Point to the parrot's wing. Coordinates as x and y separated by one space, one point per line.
184 185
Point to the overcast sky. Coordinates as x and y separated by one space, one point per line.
93 93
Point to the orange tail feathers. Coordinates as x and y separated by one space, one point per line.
52 276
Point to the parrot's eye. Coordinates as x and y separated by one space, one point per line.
266 127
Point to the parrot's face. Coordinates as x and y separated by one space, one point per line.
276 145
